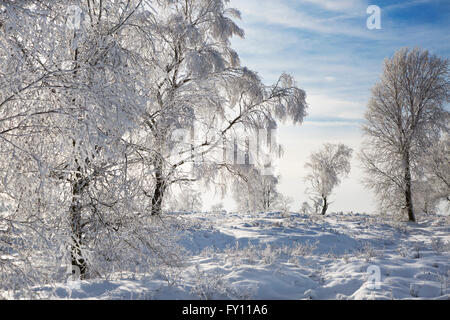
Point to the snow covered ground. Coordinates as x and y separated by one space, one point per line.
274 256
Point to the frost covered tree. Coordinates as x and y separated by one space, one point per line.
432 186
186 199
69 100
254 191
284 204
437 167
406 115
217 208
426 197
306 208
255 183
327 167
195 85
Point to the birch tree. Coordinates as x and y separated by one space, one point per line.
198 85
254 191
327 167
406 115
70 98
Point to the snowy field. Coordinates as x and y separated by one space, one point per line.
274 256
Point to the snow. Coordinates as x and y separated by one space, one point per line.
295 256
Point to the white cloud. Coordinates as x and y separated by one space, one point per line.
322 106
339 5
282 14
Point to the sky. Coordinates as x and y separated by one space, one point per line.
333 55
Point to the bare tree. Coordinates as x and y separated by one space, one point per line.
254 191
326 169
405 116
186 199
284 204
306 208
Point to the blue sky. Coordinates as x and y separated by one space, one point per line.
336 59
326 45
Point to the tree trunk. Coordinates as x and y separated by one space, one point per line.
79 267
160 188
325 206
408 192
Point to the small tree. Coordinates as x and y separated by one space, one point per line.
284 204
306 208
254 191
327 167
188 200
217 208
